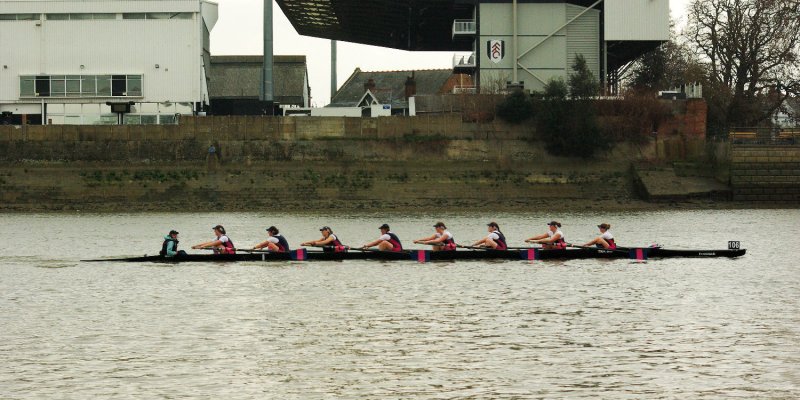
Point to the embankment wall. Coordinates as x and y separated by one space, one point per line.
436 162
765 172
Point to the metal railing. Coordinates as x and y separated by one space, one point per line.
465 89
464 27
764 135
464 61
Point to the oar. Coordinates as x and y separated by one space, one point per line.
595 248
473 247
258 251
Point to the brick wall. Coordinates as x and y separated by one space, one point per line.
766 172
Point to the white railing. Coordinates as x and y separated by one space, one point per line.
463 89
464 61
464 27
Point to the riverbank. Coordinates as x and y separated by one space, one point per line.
329 187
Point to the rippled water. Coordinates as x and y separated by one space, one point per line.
707 328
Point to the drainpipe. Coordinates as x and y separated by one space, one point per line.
334 84
514 40
267 94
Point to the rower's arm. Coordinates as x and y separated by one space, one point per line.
437 240
373 243
425 239
323 241
313 242
261 245
537 237
205 245
551 239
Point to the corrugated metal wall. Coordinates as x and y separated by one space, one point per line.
583 37
636 20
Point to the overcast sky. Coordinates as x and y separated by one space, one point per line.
238 32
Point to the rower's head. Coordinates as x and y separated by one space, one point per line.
554 225
173 234
493 226
440 227
384 228
219 230
326 231
272 231
604 227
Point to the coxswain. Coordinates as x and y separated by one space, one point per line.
170 246
221 245
275 241
605 240
553 239
388 241
442 240
495 240
329 241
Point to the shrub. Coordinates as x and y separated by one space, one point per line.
516 108
570 129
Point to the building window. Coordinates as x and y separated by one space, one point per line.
81 86
27 86
134 85
167 15
43 86
80 16
19 17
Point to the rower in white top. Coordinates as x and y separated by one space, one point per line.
553 239
442 240
605 240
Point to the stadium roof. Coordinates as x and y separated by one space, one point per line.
399 24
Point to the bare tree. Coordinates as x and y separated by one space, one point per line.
752 51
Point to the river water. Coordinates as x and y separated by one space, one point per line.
678 328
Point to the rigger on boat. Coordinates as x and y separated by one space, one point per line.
444 248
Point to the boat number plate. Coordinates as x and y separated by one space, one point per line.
734 245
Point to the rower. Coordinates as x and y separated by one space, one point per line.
329 241
221 245
442 240
388 241
275 241
605 240
495 240
553 239
170 246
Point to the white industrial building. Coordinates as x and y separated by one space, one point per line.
104 61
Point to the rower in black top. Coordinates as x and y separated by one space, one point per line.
275 241
329 241
388 241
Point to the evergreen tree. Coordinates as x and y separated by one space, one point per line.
582 83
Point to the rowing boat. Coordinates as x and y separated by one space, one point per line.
426 255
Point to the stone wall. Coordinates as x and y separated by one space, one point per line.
765 172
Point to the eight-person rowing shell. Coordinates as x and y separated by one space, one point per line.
553 239
329 241
495 240
275 241
388 241
221 245
442 240
605 240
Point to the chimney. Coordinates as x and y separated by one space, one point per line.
411 86
370 85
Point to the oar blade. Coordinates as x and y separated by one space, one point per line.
638 253
531 254
421 256
299 255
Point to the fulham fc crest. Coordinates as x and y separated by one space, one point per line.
496 50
